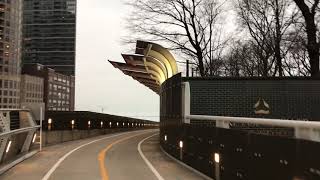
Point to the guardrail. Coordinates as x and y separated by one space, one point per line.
18 131
308 130
16 143
218 149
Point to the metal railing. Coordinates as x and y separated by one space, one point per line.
18 131
307 130
18 136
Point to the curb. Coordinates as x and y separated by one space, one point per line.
186 166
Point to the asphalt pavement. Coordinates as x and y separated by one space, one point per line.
122 156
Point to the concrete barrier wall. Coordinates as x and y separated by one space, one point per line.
56 137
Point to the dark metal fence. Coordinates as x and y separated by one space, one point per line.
243 155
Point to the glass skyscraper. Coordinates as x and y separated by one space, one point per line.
10 52
49 34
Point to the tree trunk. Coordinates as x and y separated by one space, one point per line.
313 46
278 40
201 65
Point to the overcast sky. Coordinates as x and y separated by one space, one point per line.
100 26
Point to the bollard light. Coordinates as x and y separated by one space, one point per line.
101 124
117 124
89 123
181 144
216 157
122 124
72 124
110 123
49 124
34 138
165 137
181 151
8 146
217 166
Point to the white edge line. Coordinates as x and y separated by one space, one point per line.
56 165
186 166
155 172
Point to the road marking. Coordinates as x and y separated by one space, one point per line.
102 156
155 172
57 164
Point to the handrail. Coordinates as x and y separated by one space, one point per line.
3 109
18 131
260 121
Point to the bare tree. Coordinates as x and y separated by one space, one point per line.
268 23
297 59
253 17
297 63
310 10
189 26
240 60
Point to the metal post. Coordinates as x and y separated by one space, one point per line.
217 166
181 152
187 69
217 171
192 72
41 119
185 104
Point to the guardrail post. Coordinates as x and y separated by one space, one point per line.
41 124
28 141
185 104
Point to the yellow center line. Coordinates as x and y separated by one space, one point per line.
102 156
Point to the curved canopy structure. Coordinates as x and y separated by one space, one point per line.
151 65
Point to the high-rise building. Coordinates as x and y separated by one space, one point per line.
10 52
58 89
32 89
49 34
